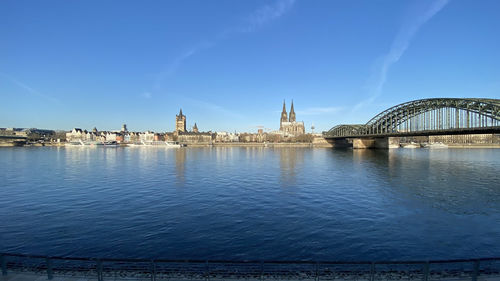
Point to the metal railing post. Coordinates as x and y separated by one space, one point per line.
3 261
372 271
49 268
99 270
153 270
476 270
317 271
426 271
261 271
207 271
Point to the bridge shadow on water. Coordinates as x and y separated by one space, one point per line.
415 172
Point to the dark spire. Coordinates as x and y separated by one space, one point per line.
292 114
180 112
284 116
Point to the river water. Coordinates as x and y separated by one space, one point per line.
251 203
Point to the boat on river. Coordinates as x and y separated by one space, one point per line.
437 145
110 144
81 143
163 144
410 145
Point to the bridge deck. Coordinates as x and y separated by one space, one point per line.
458 131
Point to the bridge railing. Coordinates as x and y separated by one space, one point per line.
142 269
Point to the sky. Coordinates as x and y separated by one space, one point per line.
230 64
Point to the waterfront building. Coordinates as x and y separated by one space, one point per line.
170 136
111 136
289 125
21 132
120 138
76 135
248 137
226 137
15 135
180 122
195 138
147 136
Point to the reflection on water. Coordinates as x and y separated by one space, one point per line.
251 203
458 181
290 160
180 166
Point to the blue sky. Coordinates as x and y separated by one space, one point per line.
230 64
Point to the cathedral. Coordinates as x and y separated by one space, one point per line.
289 125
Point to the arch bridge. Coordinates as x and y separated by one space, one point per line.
425 117
436 116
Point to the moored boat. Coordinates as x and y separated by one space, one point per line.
165 144
437 145
410 145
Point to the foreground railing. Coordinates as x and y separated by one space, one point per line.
141 269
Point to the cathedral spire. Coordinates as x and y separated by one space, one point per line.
284 115
292 114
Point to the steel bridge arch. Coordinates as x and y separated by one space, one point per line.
347 130
388 120
427 114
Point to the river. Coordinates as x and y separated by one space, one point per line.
246 203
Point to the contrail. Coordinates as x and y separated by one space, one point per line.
398 48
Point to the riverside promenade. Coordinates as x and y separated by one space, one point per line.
30 268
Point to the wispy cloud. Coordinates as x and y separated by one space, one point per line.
29 89
268 13
172 67
254 21
319 110
399 45
212 107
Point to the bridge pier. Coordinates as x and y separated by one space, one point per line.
365 143
340 143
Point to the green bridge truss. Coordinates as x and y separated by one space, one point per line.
427 117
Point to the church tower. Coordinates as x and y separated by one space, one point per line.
180 122
292 114
284 116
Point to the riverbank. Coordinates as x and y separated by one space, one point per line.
455 145
270 145
242 144
468 145
10 144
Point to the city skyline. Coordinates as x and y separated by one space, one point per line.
229 65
